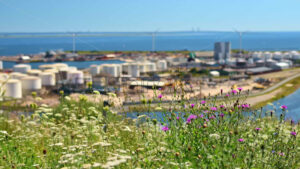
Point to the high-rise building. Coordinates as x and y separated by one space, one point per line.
222 51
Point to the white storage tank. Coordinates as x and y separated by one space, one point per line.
47 78
143 68
31 83
47 66
13 88
277 56
267 55
134 70
214 73
1 65
17 75
75 77
22 68
94 70
3 76
126 67
61 66
72 68
162 65
151 67
34 72
112 69
52 70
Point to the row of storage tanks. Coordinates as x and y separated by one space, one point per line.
133 69
294 55
24 79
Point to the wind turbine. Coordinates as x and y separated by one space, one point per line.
240 33
74 42
153 39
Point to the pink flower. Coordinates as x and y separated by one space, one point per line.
221 115
293 133
212 117
213 108
190 118
192 105
222 106
245 106
227 95
241 140
160 96
165 128
283 107
203 102
257 129
240 89
233 91
177 118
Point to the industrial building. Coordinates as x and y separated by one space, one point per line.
222 51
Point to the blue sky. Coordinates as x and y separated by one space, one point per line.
148 15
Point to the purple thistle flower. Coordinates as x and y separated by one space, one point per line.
160 96
203 102
222 106
293 133
221 91
221 115
257 129
165 128
212 117
192 105
227 95
281 154
190 118
213 109
233 91
201 115
273 151
240 89
241 140
283 107
177 117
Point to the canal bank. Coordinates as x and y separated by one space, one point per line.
280 91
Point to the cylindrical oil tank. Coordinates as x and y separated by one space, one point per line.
61 66
22 68
1 65
4 76
31 83
72 68
75 77
17 75
162 65
13 88
94 70
47 78
111 69
47 66
34 72
134 70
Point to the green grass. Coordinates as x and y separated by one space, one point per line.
84 134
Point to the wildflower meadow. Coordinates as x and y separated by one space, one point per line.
214 132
